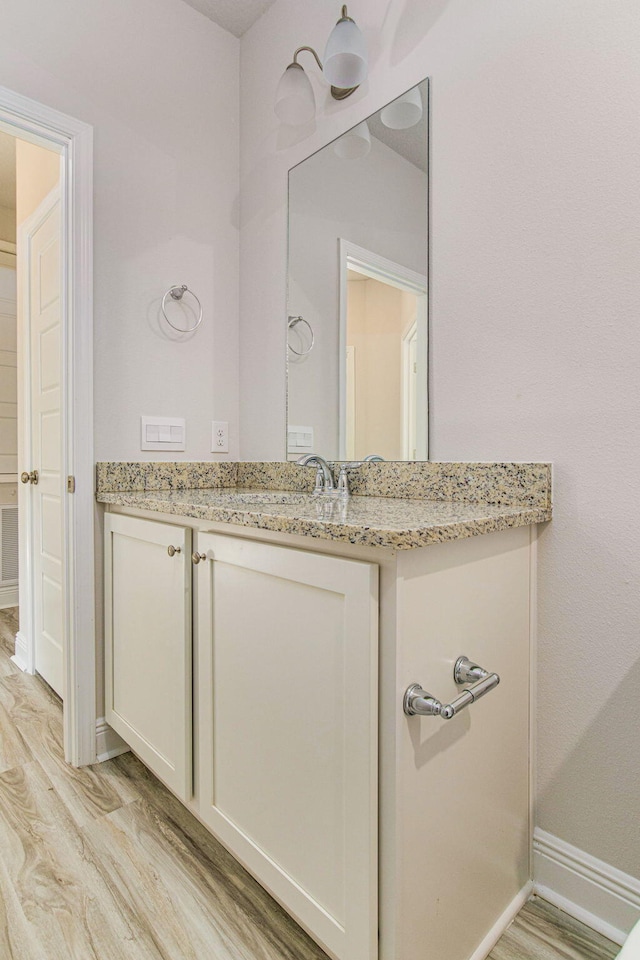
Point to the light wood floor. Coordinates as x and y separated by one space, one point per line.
104 864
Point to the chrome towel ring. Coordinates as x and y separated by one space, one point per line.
291 324
176 293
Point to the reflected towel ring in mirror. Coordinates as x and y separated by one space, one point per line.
292 323
176 293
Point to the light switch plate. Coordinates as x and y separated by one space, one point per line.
162 433
299 439
219 436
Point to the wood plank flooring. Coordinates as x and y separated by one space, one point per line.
541 932
104 864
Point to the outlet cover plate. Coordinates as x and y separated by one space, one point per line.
219 436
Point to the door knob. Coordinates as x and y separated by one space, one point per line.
24 477
29 477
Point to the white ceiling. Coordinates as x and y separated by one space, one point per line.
7 171
236 16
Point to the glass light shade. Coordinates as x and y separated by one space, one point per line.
295 103
404 112
345 56
354 144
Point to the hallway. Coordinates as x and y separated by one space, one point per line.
103 864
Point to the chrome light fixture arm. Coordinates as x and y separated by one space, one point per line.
309 50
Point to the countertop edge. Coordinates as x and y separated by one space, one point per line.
357 534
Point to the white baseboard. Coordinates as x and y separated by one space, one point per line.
486 946
108 743
22 654
8 597
586 888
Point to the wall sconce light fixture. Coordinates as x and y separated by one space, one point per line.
344 66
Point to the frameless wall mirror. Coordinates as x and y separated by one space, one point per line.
357 329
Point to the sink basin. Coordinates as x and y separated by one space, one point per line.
264 496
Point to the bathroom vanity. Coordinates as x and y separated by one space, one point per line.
259 646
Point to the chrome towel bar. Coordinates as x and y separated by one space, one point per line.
417 702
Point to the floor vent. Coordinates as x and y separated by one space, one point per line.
8 545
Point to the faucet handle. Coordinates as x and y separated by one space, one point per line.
319 487
343 478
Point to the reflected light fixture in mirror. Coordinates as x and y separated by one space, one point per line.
345 67
404 112
355 143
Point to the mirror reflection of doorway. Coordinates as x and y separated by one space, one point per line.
409 388
377 200
384 330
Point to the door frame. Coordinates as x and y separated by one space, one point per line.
409 336
376 267
73 141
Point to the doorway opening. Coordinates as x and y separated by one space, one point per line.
46 388
384 357
31 388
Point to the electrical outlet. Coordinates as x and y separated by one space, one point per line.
220 436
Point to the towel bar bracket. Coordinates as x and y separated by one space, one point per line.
417 702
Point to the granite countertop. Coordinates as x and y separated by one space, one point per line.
383 521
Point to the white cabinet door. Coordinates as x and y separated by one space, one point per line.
287 685
148 644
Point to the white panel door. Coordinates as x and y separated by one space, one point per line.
45 336
287 686
148 615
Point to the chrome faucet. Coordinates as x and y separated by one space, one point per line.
324 477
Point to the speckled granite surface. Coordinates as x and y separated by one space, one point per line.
164 475
511 484
367 521
528 484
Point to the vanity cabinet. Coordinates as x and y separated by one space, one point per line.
148 620
387 837
285 677
287 680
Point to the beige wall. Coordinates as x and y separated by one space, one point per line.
535 340
8 377
8 224
158 82
8 493
376 322
37 173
